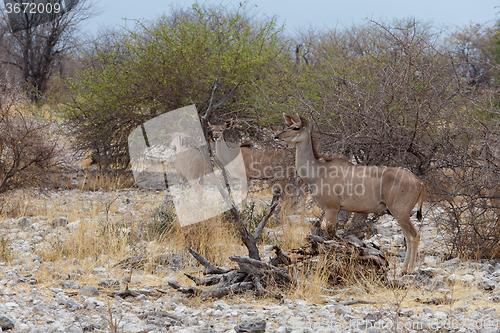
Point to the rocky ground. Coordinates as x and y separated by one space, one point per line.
70 295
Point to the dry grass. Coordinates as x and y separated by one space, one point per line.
18 203
107 233
93 180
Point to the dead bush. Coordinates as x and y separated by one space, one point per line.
30 151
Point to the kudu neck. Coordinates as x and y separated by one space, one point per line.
224 152
305 159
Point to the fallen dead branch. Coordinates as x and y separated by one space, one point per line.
343 258
345 255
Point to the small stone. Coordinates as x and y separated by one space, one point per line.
342 309
68 284
108 282
59 222
428 271
161 270
99 270
430 260
24 222
440 315
452 278
90 303
171 279
39 309
206 329
428 310
251 326
88 291
487 285
468 278
6 323
452 263
71 304
220 305
73 329
495 297
488 268
73 226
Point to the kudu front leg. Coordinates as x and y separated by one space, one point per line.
331 222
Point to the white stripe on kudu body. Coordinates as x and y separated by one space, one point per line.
338 185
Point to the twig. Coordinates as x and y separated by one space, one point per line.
192 291
262 224
209 267
206 281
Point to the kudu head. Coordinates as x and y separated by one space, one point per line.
218 130
296 130
177 141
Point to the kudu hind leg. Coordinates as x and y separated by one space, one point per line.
412 238
331 222
244 193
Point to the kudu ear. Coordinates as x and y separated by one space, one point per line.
274 128
229 123
289 120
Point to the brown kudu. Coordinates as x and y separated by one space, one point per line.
255 163
190 164
338 184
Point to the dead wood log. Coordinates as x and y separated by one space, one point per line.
281 258
279 274
261 291
135 293
223 291
205 281
248 239
192 291
209 267
342 258
252 275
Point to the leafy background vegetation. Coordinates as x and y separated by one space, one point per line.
399 93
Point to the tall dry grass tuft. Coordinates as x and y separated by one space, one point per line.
216 239
91 239
5 250
18 203
93 180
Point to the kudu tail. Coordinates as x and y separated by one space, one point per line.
422 199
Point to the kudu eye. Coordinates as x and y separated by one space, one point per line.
296 128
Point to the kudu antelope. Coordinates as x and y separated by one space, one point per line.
254 164
190 164
339 184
